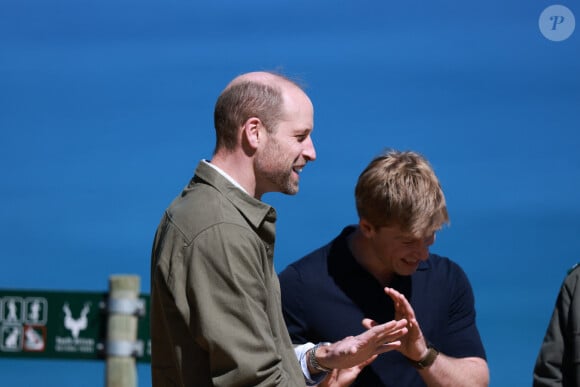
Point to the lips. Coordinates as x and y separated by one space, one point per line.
411 262
298 169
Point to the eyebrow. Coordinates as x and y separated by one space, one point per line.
302 132
409 236
406 236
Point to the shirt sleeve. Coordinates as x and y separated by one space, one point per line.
301 353
291 286
462 338
229 288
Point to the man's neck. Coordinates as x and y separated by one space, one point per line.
363 254
237 169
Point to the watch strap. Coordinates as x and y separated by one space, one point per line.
312 359
427 360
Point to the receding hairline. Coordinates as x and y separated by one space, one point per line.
264 78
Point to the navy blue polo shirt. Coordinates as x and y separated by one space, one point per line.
326 295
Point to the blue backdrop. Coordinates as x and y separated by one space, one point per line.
106 108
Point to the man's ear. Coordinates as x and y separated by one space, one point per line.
367 229
251 134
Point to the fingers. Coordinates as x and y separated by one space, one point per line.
391 327
402 306
389 347
393 324
395 295
382 334
392 336
384 337
396 324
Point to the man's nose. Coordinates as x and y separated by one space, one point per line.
423 247
422 250
309 152
423 253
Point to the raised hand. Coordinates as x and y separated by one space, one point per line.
413 344
355 350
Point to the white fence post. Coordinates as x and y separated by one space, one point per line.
121 345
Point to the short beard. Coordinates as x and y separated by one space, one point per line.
278 177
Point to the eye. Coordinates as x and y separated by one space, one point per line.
302 137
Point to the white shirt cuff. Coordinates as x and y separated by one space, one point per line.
301 352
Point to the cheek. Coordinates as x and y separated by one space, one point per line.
295 148
388 251
402 252
291 144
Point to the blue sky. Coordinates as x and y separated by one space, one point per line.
106 108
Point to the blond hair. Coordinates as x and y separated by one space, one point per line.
400 188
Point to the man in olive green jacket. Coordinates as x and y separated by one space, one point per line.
558 363
216 316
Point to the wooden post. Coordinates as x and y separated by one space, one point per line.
122 331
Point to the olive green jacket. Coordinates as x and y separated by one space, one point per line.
558 363
216 317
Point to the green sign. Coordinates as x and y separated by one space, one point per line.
66 325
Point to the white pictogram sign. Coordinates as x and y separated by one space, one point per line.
11 338
12 310
78 324
34 338
36 310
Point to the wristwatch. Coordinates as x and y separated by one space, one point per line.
427 360
312 359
